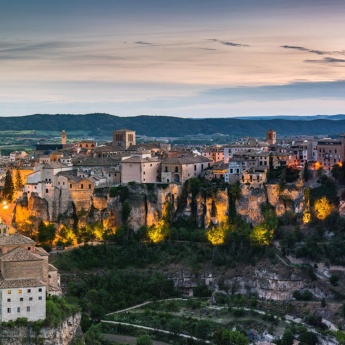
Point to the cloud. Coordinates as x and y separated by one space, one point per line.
326 60
144 43
303 49
228 43
314 51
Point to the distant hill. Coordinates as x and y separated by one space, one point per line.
104 124
294 117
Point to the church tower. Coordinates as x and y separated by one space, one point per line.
63 137
271 137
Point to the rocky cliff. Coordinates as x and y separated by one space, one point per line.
64 334
147 204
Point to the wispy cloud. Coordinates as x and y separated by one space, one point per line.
144 43
326 60
303 49
314 51
228 43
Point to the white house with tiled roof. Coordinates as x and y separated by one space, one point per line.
25 278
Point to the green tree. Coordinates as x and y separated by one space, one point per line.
8 190
19 183
144 340
46 233
229 337
288 337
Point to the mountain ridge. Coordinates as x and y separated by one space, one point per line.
99 124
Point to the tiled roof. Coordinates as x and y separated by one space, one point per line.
187 160
91 161
15 239
41 251
137 159
20 283
52 268
20 254
54 165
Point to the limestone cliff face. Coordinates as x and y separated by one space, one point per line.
291 198
149 203
34 206
61 335
249 204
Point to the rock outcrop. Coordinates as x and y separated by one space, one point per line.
147 204
64 334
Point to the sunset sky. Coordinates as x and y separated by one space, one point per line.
190 58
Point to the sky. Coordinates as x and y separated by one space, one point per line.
190 58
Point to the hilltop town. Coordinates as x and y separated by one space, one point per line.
271 204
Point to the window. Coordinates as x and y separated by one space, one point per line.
70 186
9 310
29 290
20 291
18 309
194 167
46 190
28 309
40 290
21 299
40 298
30 298
9 292
89 186
8 299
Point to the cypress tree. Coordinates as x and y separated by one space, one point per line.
19 182
8 190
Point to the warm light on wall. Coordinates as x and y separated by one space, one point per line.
157 232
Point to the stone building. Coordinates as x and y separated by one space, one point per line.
330 152
271 137
25 279
140 170
179 170
124 138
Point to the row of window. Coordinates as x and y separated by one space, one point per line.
28 309
21 291
22 299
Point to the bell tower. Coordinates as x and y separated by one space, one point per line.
63 137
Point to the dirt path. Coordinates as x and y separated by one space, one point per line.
126 339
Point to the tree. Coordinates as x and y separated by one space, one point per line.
229 337
306 172
288 337
46 233
19 183
8 190
144 340
323 208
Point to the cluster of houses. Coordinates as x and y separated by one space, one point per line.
86 165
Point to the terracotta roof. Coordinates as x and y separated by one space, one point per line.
54 165
91 161
20 254
20 283
15 239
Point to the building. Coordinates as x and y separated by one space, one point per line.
179 170
26 277
330 152
214 153
255 177
63 138
140 170
124 138
271 137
